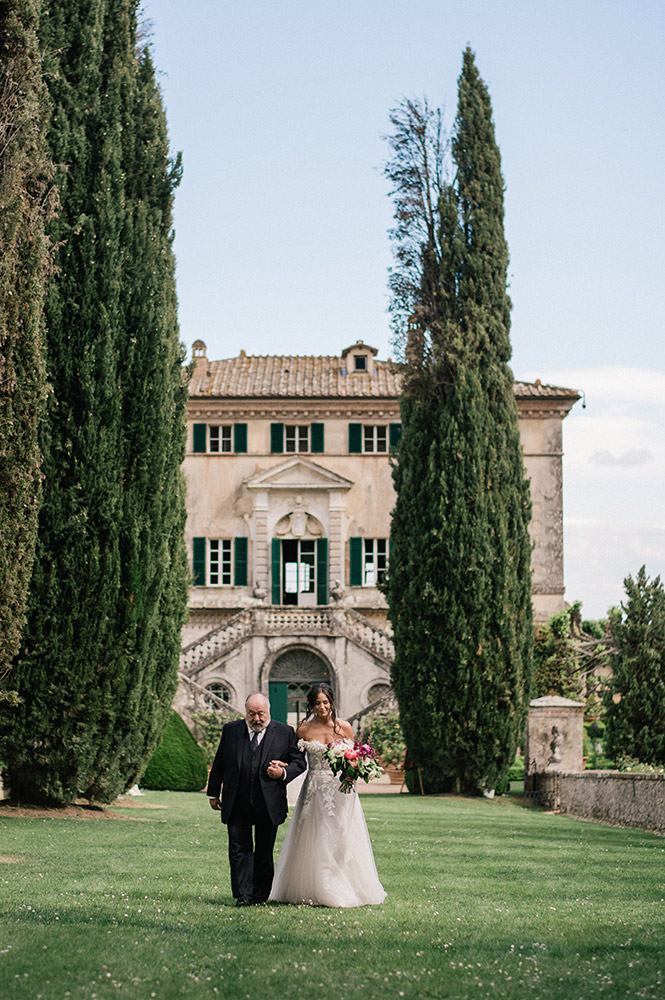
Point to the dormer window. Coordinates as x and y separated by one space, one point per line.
358 358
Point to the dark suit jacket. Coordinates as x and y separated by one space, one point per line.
279 743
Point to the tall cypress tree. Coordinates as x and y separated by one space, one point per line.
459 585
26 198
98 665
154 570
635 697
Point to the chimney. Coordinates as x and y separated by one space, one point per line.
200 359
415 342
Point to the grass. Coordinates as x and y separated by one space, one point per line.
485 899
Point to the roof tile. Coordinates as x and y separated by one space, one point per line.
272 376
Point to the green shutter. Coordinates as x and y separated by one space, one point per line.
199 561
316 438
322 571
395 435
278 694
240 438
200 437
355 439
356 561
276 438
240 562
276 571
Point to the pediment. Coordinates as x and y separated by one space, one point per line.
298 474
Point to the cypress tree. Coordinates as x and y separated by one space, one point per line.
98 665
459 583
26 200
635 697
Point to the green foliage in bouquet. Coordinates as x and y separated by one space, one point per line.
178 764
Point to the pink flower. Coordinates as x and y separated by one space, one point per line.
351 754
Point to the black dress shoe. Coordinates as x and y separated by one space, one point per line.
244 901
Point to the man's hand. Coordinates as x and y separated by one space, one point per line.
215 804
276 769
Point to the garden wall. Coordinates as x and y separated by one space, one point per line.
610 796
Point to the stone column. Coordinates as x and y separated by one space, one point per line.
555 732
336 507
261 540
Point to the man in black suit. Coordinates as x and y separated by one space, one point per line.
254 763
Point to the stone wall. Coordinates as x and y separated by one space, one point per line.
609 796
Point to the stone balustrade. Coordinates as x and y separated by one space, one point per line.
263 620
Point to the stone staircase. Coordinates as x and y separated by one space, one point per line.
328 621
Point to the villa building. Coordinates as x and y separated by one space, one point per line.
289 494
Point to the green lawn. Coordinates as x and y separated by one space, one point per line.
485 899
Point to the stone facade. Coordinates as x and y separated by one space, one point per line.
289 500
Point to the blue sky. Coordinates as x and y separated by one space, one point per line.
281 220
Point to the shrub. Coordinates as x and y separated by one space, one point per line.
383 731
625 763
178 764
208 729
515 773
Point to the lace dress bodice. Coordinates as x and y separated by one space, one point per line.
314 750
321 781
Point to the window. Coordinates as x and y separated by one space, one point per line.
220 559
368 561
360 362
219 562
299 568
217 439
296 437
299 571
375 561
373 439
220 689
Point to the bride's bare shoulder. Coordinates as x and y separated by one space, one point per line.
303 730
345 729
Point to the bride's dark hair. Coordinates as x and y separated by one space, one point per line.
314 693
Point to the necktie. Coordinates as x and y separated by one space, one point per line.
254 741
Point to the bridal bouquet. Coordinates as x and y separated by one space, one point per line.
352 761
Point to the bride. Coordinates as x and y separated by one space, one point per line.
326 859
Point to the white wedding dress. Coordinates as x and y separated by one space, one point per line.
327 858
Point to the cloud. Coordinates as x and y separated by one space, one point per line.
635 457
600 554
613 481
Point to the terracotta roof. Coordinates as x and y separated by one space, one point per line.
538 390
272 376
322 377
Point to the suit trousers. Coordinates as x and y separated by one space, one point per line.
251 842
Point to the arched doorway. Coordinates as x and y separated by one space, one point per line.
292 674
